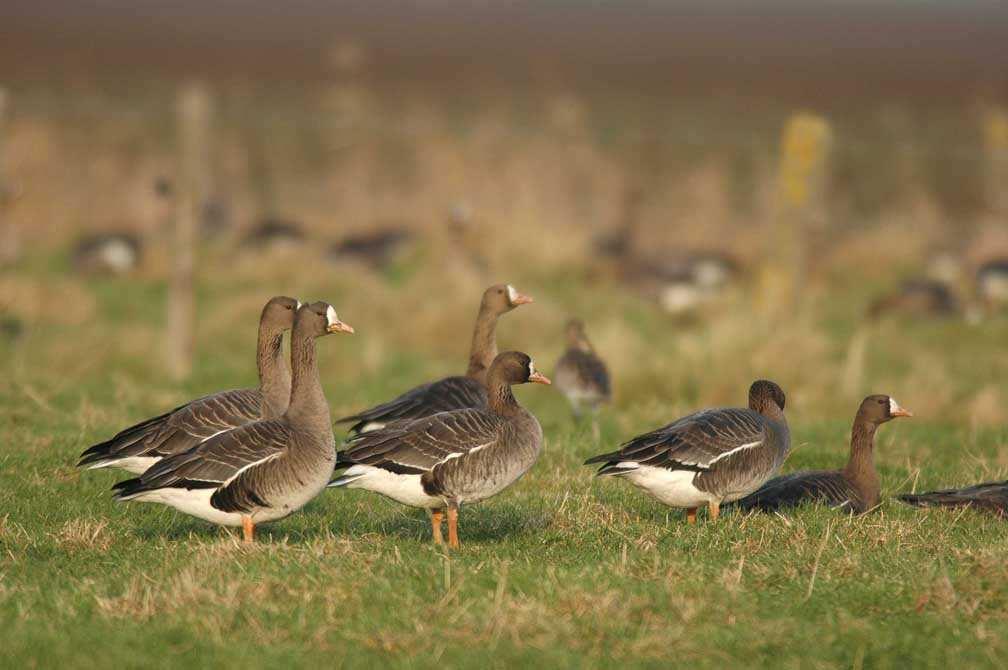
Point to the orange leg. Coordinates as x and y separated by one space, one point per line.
435 519
453 541
248 529
714 509
691 515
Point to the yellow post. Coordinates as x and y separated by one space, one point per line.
996 148
801 181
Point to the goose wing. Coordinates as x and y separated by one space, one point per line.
418 446
992 496
450 393
695 442
584 370
826 486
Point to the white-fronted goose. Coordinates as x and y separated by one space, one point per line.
138 447
855 488
990 497
581 375
992 283
455 392
264 470
377 249
917 297
442 461
107 253
709 457
274 233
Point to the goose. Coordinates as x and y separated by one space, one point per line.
581 375
264 470
709 457
991 497
274 233
443 461
992 282
919 297
455 392
377 249
107 253
138 447
855 488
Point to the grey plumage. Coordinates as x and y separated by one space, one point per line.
138 447
580 374
990 497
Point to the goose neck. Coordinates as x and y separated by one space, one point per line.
274 371
307 402
484 345
860 469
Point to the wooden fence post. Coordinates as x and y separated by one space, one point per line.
996 148
194 140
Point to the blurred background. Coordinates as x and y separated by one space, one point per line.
815 192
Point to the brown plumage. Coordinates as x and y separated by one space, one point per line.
454 392
917 297
990 497
440 462
711 456
856 488
138 447
266 469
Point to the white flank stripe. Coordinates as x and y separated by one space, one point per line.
732 451
251 465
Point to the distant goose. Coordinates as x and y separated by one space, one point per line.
855 488
262 471
681 281
443 461
451 392
274 233
990 497
709 457
917 297
137 448
992 282
377 249
581 375
107 253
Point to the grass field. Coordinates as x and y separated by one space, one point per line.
561 570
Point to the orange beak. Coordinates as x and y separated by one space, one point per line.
899 411
340 327
539 378
521 299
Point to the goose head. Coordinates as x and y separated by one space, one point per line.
278 314
577 338
318 319
502 298
765 394
514 367
879 409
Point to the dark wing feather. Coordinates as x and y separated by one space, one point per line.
992 496
444 395
419 446
181 429
693 442
823 486
216 462
585 370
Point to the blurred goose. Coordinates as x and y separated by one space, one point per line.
581 375
262 471
451 392
991 497
462 456
855 488
917 297
992 282
274 233
138 447
107 253
377 249
709 457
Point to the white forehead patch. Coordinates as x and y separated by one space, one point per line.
330 314
531 367
893 405
512 293
299 303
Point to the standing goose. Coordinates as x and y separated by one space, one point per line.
264 470
138 447
855 488
441 461
990 497
581 375
455 392
709 457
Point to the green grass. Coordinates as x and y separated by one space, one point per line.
561 570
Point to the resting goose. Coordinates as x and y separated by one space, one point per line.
855 488
264 470
440 462
107 253
451 392
992 282
917 297
377 249
581 375
138 447
709 457
990 497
